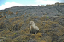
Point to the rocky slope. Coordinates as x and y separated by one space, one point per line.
14 24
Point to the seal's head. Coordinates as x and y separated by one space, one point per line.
31 22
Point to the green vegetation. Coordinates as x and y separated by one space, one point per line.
17 29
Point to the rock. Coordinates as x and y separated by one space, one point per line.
31 40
